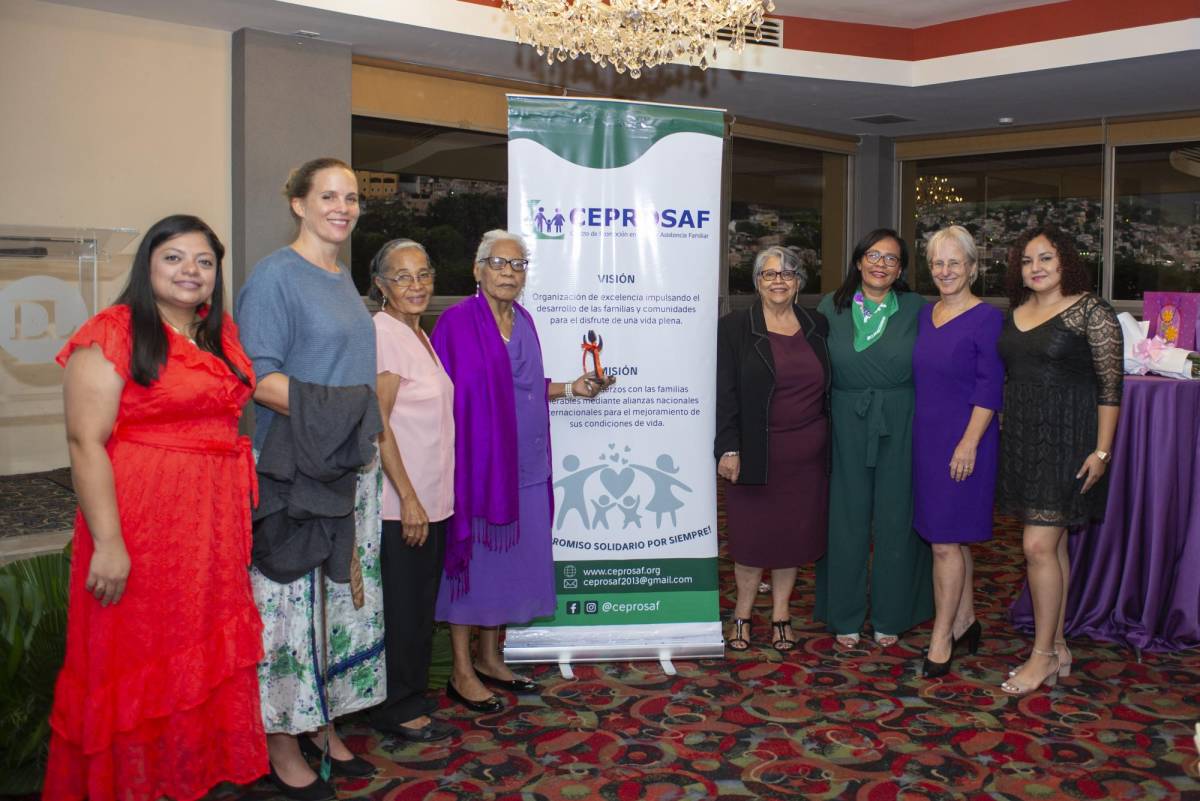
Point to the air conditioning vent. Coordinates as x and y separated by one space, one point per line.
884 119
772 34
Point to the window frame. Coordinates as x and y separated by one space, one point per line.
1109 134
414 94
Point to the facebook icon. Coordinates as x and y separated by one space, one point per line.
572 607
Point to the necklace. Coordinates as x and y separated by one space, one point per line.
943 314
512 320
183 334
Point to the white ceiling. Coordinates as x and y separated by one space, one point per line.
900 13
1133 86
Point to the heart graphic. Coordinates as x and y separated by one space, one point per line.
613 457
616 483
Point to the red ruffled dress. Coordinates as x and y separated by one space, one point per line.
159 693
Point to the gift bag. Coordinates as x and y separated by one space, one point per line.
1173 317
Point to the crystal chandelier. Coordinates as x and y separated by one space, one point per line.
636 34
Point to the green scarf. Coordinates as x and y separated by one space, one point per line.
870 319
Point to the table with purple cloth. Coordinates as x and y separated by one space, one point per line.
1135 578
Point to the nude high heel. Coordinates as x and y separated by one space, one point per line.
1064 664
1050 679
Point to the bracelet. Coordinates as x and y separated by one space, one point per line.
568 391
730 453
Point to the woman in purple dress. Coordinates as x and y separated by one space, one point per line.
959 382
499 566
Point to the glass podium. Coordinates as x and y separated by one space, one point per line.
49 285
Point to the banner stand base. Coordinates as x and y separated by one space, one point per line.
565 656
564 645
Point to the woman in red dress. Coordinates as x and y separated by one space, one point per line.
158 695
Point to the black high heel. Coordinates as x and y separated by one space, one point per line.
970 638
935 670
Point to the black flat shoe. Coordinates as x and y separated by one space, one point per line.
316 790
352 768
487 705
970 638
935 670
431 732
517 685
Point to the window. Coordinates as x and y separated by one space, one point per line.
443 187
998 196
777 193
1156 219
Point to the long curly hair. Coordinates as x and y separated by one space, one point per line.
1075 277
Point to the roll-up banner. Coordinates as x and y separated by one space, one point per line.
619 203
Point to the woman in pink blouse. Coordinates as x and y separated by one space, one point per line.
416 400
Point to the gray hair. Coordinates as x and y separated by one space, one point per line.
955 235
379 263
788 260
494 237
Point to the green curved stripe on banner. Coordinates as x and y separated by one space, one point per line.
580 131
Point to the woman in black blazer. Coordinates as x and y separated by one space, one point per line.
772 440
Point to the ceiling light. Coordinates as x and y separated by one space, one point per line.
635 34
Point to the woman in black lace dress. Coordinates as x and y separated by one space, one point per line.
1062 352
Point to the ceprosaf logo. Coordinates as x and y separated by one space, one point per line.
546 224
546 221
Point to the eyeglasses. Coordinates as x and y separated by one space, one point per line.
497 263
406 279
771 275
890 260
953 265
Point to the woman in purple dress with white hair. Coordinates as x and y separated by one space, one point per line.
959 387
499 563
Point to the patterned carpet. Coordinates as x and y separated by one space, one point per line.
36 503
817 724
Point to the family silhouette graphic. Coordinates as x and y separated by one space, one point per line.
610 484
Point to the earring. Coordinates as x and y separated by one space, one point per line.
476 289
383 305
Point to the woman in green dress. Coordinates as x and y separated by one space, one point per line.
872 329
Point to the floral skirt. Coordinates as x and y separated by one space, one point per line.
299 630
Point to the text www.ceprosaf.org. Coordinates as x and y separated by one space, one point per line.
639 576
628 608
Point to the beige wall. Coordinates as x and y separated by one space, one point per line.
109 121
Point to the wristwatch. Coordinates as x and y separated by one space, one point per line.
1104 456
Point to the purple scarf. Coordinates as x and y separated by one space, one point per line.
485 433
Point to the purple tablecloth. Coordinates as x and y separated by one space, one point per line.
1135 578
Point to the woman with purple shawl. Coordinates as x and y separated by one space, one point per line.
499 566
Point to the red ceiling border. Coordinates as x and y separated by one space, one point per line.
1061 20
